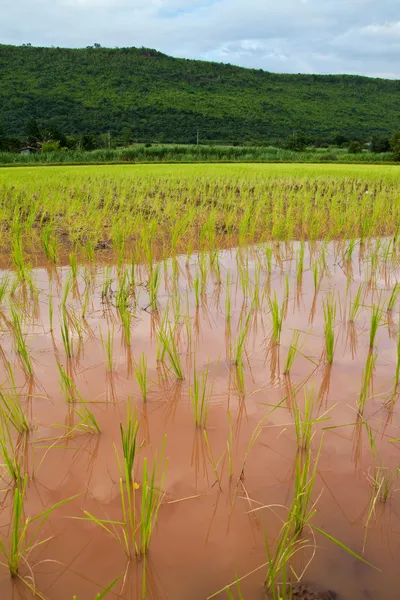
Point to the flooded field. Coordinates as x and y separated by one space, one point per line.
200 422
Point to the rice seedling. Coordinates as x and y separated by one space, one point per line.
196 287
366 381
20 343
228 298
9 451
169 346
383 478
200 396
376 316
73 264
152 495
277 313
23 541
153 286
108 348
141 376
66 335
11 406
129 441
4 285
292 352
356 304
392 300
49 243
239 346
329 308
104 593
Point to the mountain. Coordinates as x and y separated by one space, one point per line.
145 95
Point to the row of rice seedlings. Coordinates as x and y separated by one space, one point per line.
329 308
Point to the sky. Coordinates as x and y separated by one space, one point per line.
286 36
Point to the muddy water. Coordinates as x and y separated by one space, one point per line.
207 532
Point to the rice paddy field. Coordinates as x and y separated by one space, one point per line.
199 382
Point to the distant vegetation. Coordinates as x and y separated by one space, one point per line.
100 97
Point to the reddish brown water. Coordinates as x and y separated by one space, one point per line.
205 536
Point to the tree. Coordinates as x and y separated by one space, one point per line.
395 145
380 144
339 139
297 142
355 147
33 132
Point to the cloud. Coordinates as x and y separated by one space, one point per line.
312 36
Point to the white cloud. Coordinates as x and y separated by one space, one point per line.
321 36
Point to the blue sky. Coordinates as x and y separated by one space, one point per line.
291 36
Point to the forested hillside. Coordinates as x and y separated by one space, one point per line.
143 95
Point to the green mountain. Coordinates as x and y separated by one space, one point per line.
147 96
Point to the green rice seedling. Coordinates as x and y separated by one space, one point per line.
126 324
106 291
239 346
383 479
304 423
329 307
356 304
316 276
11 406
200 396
228 297
287 288
73 264
239 379
152 496
20 343
169 346
104 593
51 311
17 255
22 541
129 435
196 287
153 286
366 380
9 452
67 385
4 284
277 313
376 316
301 510
141 375
49 243
66 335
292 352
66 291
300 262
108 347
392 300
